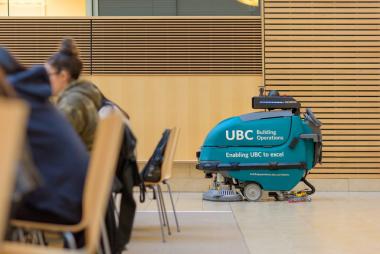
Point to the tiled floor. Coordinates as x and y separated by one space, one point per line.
334 222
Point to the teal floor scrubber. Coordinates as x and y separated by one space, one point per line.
269 151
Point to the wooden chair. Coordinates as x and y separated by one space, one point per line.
96 194
13 115
166 172
167 168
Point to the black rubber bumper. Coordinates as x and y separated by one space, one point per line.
216 166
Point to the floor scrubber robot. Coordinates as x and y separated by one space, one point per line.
269 151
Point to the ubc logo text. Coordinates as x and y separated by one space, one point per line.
239 135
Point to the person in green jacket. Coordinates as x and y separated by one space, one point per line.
78 100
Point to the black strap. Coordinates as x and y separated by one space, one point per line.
142 192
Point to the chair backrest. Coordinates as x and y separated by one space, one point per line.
100 177
171 147
13 116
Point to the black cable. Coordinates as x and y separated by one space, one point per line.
310 192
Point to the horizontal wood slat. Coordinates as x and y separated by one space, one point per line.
32 41
181 46
327 55
143 45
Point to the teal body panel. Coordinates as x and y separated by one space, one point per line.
272 147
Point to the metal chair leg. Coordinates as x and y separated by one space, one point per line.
115 209
162 212
165 213
157 197
174 211
69 237
37 237
155 191
15 235
41 238
34 237
21 235
105 240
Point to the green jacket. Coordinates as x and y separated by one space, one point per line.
80 103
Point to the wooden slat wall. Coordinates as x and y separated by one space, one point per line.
180 45
143 45
34 40
327 54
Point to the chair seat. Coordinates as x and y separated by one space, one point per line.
47 226
151 183
19 248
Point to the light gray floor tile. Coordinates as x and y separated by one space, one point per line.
331 223
334 222
205 232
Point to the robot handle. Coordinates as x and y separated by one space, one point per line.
309 115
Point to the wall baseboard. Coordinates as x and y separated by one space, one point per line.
188 179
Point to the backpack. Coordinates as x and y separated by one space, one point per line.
127 176
152 170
